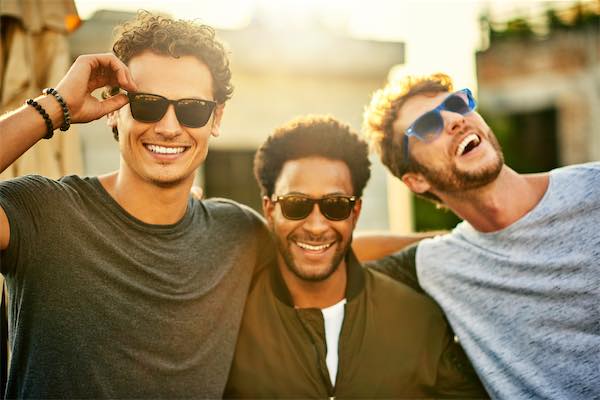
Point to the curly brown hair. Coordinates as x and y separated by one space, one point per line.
307 136
382 112
176 38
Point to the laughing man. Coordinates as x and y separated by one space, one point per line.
518 279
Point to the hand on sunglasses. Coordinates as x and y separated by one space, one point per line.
297 207
429 125
90 72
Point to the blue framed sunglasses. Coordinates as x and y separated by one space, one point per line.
429 125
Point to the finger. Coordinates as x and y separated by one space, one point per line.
113 103
117 69
197 192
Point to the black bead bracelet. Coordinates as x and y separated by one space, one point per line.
66 114
43 113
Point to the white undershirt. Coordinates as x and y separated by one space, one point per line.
333 317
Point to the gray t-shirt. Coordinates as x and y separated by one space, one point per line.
525 300
104 305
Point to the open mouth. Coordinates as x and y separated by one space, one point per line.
313 247
468 144
163 150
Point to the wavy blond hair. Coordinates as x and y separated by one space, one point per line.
382 111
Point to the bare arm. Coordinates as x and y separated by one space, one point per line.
24 127
370 246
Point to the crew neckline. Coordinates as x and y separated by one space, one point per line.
125 216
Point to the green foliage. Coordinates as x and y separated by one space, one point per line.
429 218
578 17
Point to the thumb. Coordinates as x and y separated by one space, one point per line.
113 103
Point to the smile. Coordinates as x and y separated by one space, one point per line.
468 144
164 150
311 247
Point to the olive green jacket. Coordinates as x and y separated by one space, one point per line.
394 343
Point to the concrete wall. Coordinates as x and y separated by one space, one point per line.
563 72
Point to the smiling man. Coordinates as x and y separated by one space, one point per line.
316 324
122 286
518 279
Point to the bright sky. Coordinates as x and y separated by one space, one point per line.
439 35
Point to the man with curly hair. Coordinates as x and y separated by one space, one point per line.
122 286
317 324
518 279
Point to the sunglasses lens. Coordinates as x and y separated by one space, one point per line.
194 113
296 207
336 208
428 125
457 103
147 107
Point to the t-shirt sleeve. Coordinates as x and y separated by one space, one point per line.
400 266
265 254
23 201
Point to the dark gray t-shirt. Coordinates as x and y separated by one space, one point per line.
104 305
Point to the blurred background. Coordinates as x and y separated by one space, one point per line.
534 66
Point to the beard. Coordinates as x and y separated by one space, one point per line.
452 179
307 274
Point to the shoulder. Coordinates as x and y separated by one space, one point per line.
586 172
227 209
443 245
400 266
39 188
28 182
401 293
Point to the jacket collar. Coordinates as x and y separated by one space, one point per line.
354 284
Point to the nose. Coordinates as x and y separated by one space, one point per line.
453 122
316 223
168 126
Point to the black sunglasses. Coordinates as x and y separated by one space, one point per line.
148 107
296 207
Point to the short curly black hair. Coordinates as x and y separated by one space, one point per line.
308 136
176 38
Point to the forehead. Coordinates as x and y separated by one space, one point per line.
314 176
416 106
171 77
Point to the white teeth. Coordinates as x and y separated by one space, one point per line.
313 248
465 142
164 150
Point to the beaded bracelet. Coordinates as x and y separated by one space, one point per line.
66 114
47 120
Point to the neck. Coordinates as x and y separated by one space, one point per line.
500 203
310 294
146 201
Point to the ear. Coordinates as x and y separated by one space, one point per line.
215 129
268 209
356 212
416 182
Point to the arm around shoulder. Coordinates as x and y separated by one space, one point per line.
370 246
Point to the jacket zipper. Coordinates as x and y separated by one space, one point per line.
326 379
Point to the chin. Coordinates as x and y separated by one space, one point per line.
311 275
